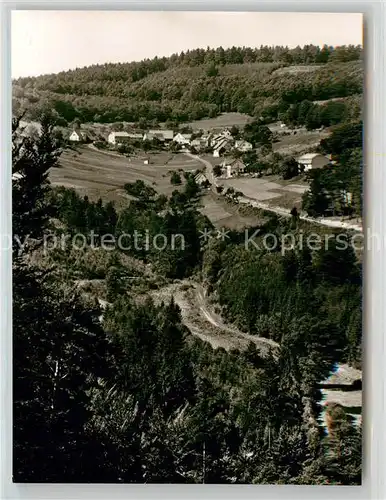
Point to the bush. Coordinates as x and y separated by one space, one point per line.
289 168
175 178
217 170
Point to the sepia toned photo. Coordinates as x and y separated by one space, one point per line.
187 247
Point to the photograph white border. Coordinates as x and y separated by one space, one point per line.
374 418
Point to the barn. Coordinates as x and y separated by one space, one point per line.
310 161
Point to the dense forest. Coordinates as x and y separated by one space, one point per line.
201 83
135 397
337 189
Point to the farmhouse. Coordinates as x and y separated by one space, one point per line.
214 138
311 161
161 135
207 139
182 139
220 147
197 143
135 137
226 134
118 137
78 136
232 168
149 136
243 146
201 179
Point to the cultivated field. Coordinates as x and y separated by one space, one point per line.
221 121
263 189
223 213
103 174
299 143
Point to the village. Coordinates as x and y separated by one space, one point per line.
226 149
184 249
261 166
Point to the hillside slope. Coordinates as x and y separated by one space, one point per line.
195 85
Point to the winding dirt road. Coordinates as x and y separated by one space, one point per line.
200 318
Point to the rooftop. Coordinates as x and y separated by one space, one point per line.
167 134
120 134
309 156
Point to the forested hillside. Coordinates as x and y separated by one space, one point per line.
131 395
197 84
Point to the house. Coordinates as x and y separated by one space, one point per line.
310 161
196 143
135 137
243 146
232 168
161 135
220 147
221 137
226 134
78 136
207 139
216 138
201 179
182 139
167 135
118 137
215 141
147 136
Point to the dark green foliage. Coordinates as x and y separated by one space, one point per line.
289 168
316 201
337 189
345 442
80 215
31 161
153 228
193 85
337 263
191 187
140 190
257 134
212 70
175 178
344 137
59 349
130 395
59 352
235 131
314 116
217 170
270 293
